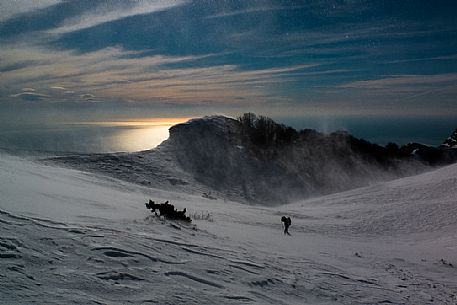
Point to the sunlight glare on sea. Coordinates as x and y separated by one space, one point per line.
135 135
89 137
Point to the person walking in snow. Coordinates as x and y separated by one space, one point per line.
287 222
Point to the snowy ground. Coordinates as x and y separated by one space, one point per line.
71 237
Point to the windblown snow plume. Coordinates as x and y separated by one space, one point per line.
274 164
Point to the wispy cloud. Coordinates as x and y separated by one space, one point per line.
29 95
410 60
251 10
432 92
87 96
113 10
117 74
11 8
314 55
405 81
58 87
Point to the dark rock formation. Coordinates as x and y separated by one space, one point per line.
451 142
270 163
256 160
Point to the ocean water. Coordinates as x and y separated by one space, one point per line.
82 138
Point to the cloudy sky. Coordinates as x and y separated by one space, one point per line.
140 58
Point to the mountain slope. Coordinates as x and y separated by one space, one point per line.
70 237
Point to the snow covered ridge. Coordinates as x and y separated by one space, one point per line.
255 160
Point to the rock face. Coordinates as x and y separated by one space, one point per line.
429 155
446 153
210 149
218 152
258 161
451 142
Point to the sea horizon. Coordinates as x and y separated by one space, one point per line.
136 135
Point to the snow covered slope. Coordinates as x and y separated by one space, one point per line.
71 237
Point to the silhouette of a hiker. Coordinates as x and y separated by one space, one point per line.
287 222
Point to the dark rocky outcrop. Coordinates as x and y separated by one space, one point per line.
450 142
256 160
271 163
